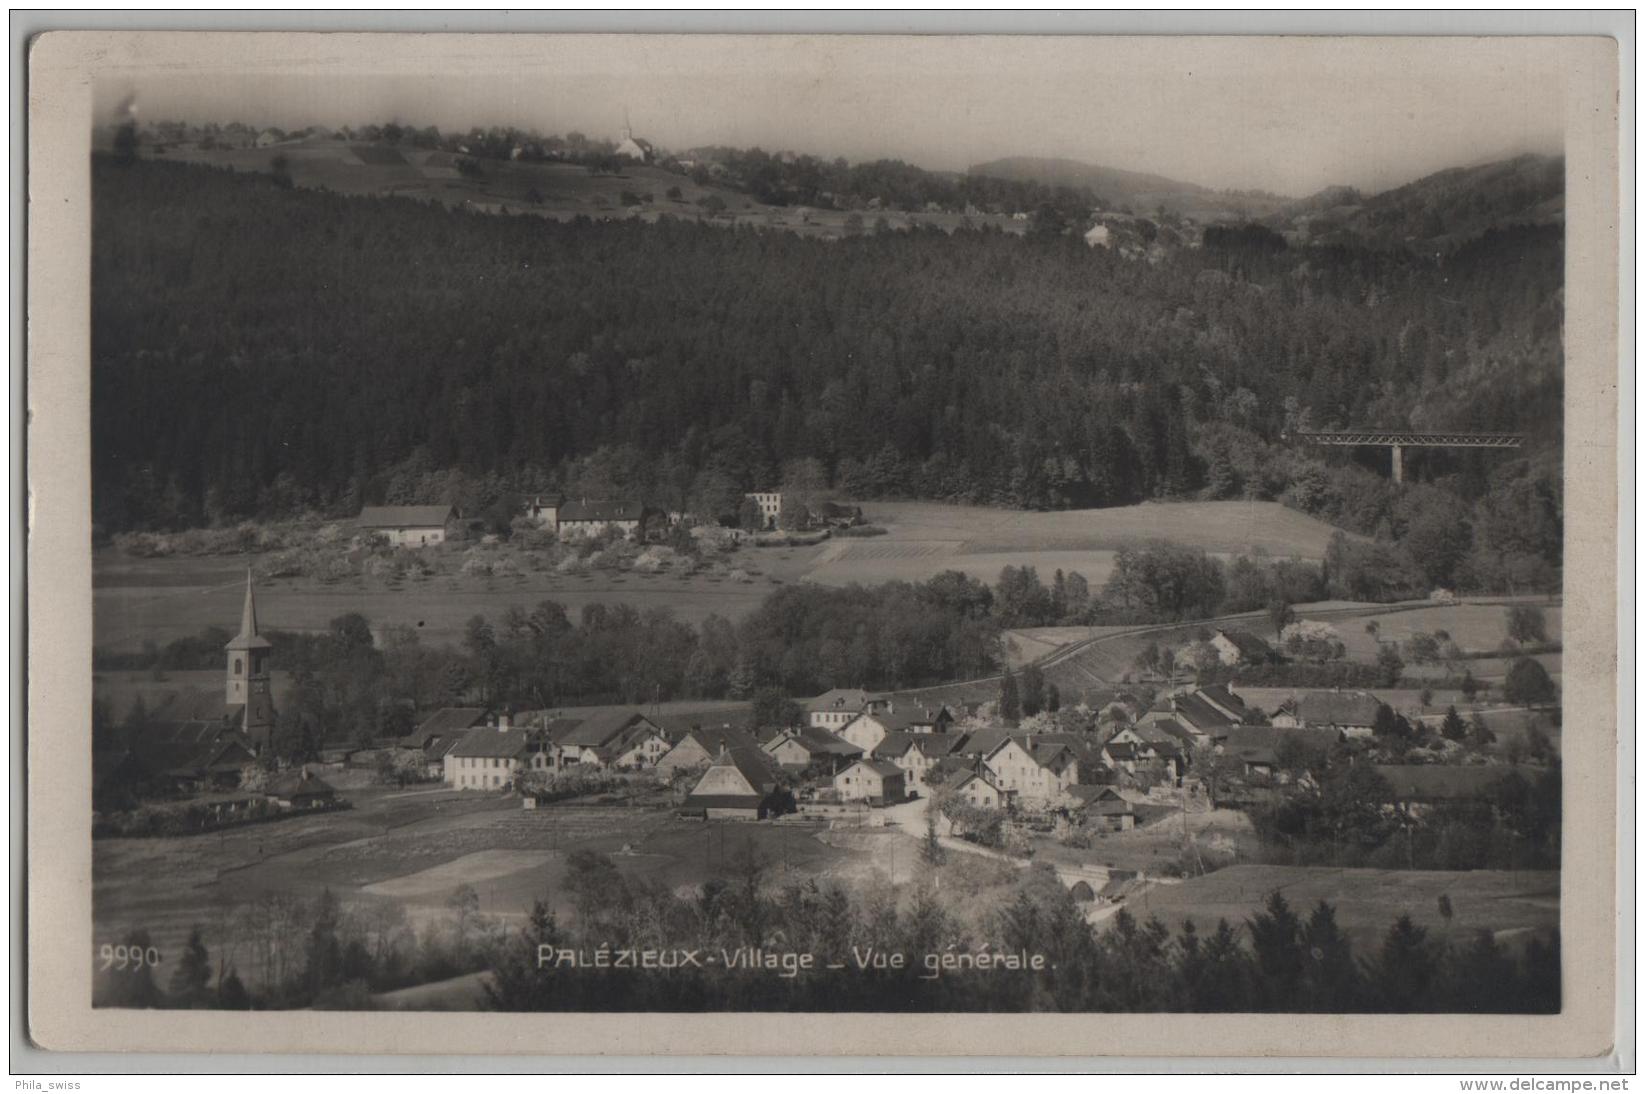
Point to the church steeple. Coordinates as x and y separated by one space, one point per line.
250 700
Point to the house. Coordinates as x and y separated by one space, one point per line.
1350 713
266 138
1258 749
624 740
771 507
868 729
1103 807
440 732
873 781
543 510
1035 771
810 746
489 758
408 525
915 754
1205 720
188 757
299 790
583 518
1132 752
736 786
1241 647
835 708
701 747
980 791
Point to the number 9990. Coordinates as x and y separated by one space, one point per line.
123 958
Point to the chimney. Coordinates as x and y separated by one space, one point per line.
503 722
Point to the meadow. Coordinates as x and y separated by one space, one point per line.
1513 905
161 599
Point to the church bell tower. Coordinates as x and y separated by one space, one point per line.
250 700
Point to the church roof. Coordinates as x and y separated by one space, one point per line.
248 638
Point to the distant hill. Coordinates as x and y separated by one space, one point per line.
1445 209
1136 191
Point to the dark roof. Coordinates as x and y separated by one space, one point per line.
1223 695
603 729
982 742
676 726
883 768
600 510
840 699
1248 644
896 743
1198 714
981 777
404 516
817 741
494 743
1338 708
756 764
449 720
753 765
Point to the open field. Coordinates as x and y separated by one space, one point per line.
924 538
412 849
1476 628
161 599
1511 904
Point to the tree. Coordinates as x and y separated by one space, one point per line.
1313 640
749 516
1527 624
1053 698
1032 690
1528 684
1010 699
1280 616
193 972
773 707
1469 686
125 143
931 850
1389 665
1453 728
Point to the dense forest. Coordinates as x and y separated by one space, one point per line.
262 351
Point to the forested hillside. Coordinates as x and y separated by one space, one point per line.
263 350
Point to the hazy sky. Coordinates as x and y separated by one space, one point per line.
1287 115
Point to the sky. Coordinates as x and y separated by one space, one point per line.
1289 116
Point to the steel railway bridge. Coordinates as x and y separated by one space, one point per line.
1400 439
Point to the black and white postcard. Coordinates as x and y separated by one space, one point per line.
725 539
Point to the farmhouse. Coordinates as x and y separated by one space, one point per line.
835 708
408 525
579 519
1259 749
1036 772
489 758
736 786
192 756
1350 713
701 747
1102 806
835 515
440 732
635 148
868 729
915 754
299 790
619 739
980 791
544 511
1240 647
798 749
872 781
1418 788
771 507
